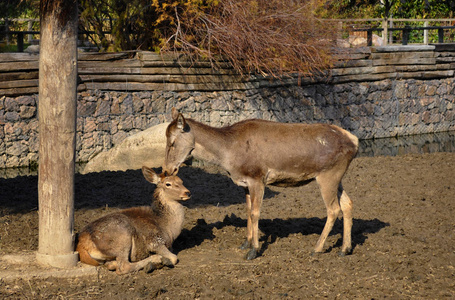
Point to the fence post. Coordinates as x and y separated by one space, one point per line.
405 35
391 32
30 28
7 29
425 33
440 35
384 32
340 30
20 41
369 37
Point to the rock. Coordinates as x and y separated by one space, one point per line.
377 40
144 148
32 49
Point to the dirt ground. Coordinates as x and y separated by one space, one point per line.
403 237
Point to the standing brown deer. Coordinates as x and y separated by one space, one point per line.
124 240
258 152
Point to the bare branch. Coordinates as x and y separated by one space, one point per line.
271 37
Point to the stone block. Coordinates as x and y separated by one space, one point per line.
431 90
427 102
219 104
126 106
104 126
90 125
115 107
138 104
27 112
26 100
12 161
188 105
12 116
11 105
126 123
16 148
103 107
86 109
88 141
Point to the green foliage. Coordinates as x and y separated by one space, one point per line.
19 9
345 9
423 9
10 9
379 9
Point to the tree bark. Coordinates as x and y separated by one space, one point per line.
57 132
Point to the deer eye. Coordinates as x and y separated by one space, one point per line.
168 184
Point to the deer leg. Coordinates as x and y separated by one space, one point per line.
328 184
150 263
168 258
346 208
256 195
249 231
122 264
111 265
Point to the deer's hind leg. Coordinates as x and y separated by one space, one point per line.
126 250
335 200
123 266
346 208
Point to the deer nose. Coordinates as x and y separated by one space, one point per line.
175 171
187 195
170 170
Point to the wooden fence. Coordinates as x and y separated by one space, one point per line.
147 71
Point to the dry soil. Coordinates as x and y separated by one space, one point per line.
403 237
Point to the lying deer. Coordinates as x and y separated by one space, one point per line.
124 240
258 152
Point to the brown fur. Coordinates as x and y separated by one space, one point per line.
124 240
258 152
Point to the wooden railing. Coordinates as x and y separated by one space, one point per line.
406 32
369 26
20 37
147 71
387 27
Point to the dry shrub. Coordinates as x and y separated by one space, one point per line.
272 37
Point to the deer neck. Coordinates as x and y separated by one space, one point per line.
210 143
170 212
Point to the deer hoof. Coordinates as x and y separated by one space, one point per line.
344 253
167 262
245 245
314 253
149 267
252 254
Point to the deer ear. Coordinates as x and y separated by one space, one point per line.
150 175
181 123
174 113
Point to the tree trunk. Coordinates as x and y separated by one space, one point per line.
57 132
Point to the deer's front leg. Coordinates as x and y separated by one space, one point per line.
254 203
249 232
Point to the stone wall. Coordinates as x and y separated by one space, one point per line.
370 110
